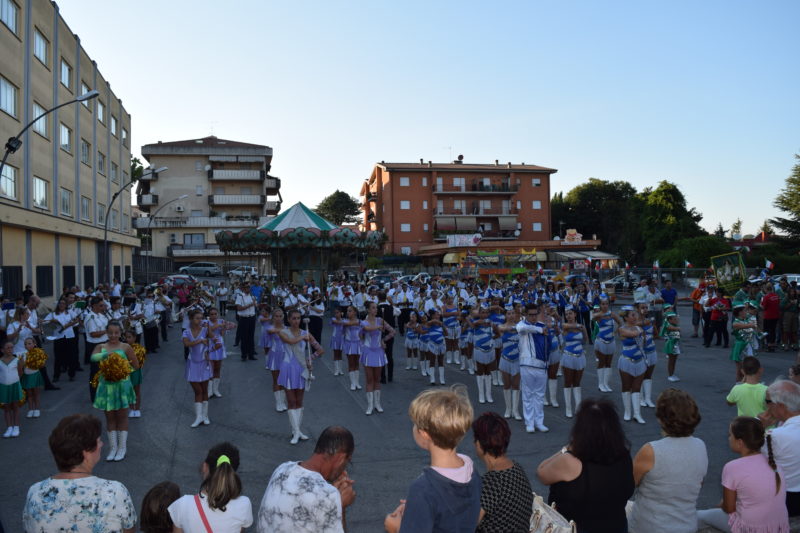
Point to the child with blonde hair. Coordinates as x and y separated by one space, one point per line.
446 496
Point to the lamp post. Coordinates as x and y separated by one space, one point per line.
13 143
106 258
150 235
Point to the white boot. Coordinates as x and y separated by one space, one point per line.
471 366
496 381
432 373
370 403
441 375
278 402
606 379
352 380
552 384
198 414
546 401
122 445
643 394
487 382
377 396
637 408
448 357
423 367
463 359
648 393
409 362
284 405
568 401
112 445
414 362
299 417
481 395
358 378
626 402
515 396
576 394
217 393
507 398
601 374
206 421
294 423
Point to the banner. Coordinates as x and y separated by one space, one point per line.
464 240
729 270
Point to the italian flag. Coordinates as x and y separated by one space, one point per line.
687 264
627 266
770 265
656 264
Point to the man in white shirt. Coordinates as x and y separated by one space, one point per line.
246 313
434 302
783 405
533 361
311 496
116 288
403 298
295 300
95 323
316 310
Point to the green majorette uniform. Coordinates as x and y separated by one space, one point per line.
672 346
113 395
742 338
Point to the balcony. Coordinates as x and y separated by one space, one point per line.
147 200
194 250
477 212
272 208
477 187
230 222
237 199
149 176
272 186
236 175
506 235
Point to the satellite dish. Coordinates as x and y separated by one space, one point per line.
516 233
460 157
208 167
737 236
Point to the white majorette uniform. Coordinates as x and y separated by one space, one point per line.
604 342
533 362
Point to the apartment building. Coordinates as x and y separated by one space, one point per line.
210 184
420 205
56 188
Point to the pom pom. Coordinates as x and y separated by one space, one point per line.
140 352
35 359
115 367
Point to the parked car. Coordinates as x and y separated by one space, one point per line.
422 277
176 280
622 283
243 271
789 277
406 279
202 268
380 281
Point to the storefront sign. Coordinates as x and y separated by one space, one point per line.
464 240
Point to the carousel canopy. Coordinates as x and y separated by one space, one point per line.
298 216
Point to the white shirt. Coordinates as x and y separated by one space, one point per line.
117 290
24 333
297 301
527 349
94 323
63 319
8 372
786 450
298 500
238 514
430 303
243 299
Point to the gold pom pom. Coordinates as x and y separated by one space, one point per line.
140 352
115 367
35 359
95 380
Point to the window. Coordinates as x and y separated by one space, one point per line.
114 172
124 177
198 165
519 205
101 163
424 204
458 183
424 181
424 227
86 211
114 222
101 213
125 222
124 137
40 46
8 96
65 138
86 152
198 190
537 226
66 74
536 182
101 112
405 228
8 14
40 126
439 183
194 240
219 190
404 181
537 204
460 206
113 125
85 89
405 250
486 205
44 280
439 207
40 192
197 212
66 202
405 204
487 226
8 182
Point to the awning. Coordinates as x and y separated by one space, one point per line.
451 258
507 223
466 223
445 223
567 256
252 159
223 158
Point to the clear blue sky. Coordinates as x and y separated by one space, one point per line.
704 94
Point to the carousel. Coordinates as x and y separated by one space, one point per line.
300 244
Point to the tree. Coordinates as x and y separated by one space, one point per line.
665 219
339 208
736 227
766 228
137 169
720 231
788 201
697 250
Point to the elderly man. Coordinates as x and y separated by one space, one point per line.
310 496
783 405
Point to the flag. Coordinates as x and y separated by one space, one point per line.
627 266
655 264
588 261
597 266
687 264
770 265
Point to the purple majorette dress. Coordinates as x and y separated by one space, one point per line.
264 337
197 368
276 349
216 343
352 340
372 352
291 376
337 334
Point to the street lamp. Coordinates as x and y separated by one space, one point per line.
106 257
13 143
150 235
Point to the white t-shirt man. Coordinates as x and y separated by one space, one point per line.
298 500
238 514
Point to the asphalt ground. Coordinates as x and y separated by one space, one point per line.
162 446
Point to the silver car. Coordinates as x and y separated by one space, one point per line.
202 268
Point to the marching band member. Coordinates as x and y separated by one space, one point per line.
150 326
275 352
351 346
450 314
216 348
553 322
573 360
604 343
95 324
373 355
533 360
509 363
631 363
198 365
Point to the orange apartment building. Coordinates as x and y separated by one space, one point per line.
420 205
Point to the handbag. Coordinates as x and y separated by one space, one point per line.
202 514
545 518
